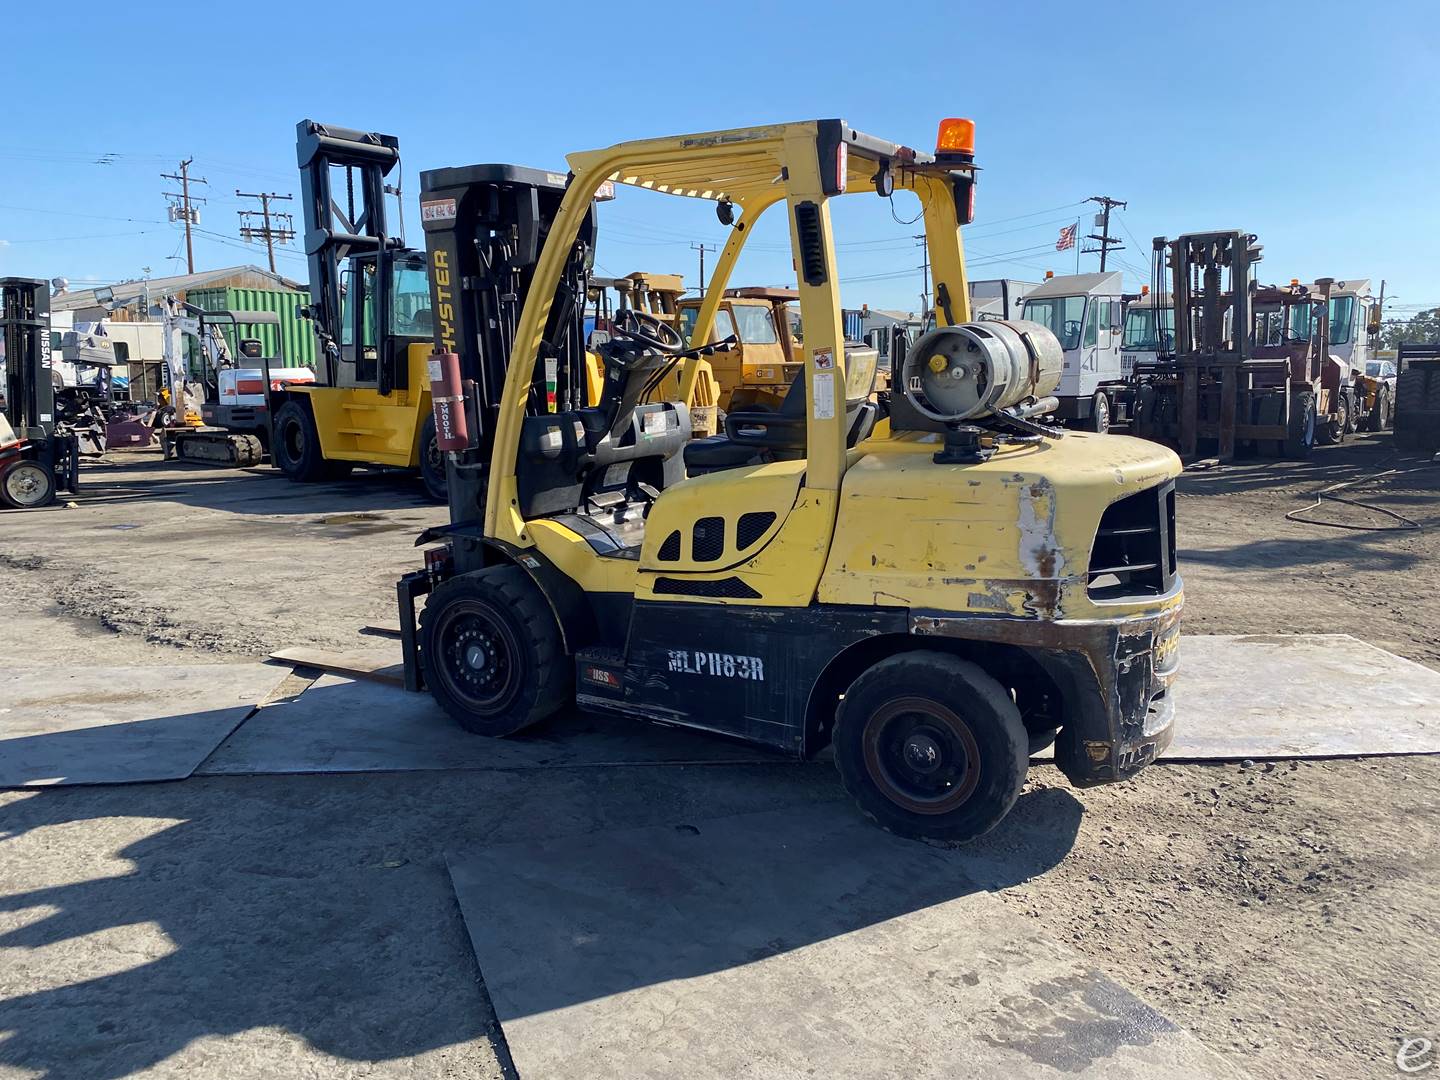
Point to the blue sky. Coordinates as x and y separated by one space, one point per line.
1312 126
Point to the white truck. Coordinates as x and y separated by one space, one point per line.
1085 312
1355 314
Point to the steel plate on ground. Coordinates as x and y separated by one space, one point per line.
117 725
796 943
353 725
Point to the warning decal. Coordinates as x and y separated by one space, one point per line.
822 395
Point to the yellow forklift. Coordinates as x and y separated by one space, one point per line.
934 601
370 306
763 364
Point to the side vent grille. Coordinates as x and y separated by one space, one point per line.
707 540
751 527
731 588
1134 551
812 244
670 549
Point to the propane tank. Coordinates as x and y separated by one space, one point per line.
966 372
447 399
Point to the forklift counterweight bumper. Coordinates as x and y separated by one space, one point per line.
1114 675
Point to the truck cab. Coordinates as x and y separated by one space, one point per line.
1085 312
999 298
1149 331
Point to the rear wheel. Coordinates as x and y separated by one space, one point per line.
432 462
1301 438
297 445
26 485
492 652
930 746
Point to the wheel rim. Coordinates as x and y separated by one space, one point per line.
1102 415
293 438
27 484
434 460
921 755
478 657
1309 426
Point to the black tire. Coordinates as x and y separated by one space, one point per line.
1352 417
432 463
1301 439
1380 412
1100 414
297 452
931 747
1332 431
26 485
492 653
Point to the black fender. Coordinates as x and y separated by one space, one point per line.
473 550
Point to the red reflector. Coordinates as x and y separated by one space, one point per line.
437 558
249 386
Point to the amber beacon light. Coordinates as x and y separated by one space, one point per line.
956 138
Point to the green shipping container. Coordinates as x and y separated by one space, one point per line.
297 335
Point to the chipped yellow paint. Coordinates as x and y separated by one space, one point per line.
912 533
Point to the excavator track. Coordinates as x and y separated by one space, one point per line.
220 448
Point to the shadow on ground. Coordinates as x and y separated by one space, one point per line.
320 909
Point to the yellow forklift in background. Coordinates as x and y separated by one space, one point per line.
760 369
934 601
370 306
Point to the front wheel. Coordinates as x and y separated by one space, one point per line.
26 485
931 747
1332 432
492 652
1300 439
1380 411
1100 414
297 451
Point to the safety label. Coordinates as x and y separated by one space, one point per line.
825 359
822 395
437 210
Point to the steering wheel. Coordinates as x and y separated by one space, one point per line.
647 330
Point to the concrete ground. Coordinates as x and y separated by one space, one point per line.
306 926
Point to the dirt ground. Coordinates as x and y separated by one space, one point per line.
1283 913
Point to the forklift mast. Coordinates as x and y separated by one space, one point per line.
485 226
338 227
1211 279
25 335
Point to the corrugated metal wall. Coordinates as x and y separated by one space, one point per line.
296 334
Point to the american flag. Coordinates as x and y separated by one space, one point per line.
1067 238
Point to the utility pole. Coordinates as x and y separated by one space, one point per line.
186 211
284 232
925 272
702 248
1107 242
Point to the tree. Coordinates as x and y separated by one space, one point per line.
1423 326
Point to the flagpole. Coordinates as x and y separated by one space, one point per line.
1077 245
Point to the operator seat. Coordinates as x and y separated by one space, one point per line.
758 434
